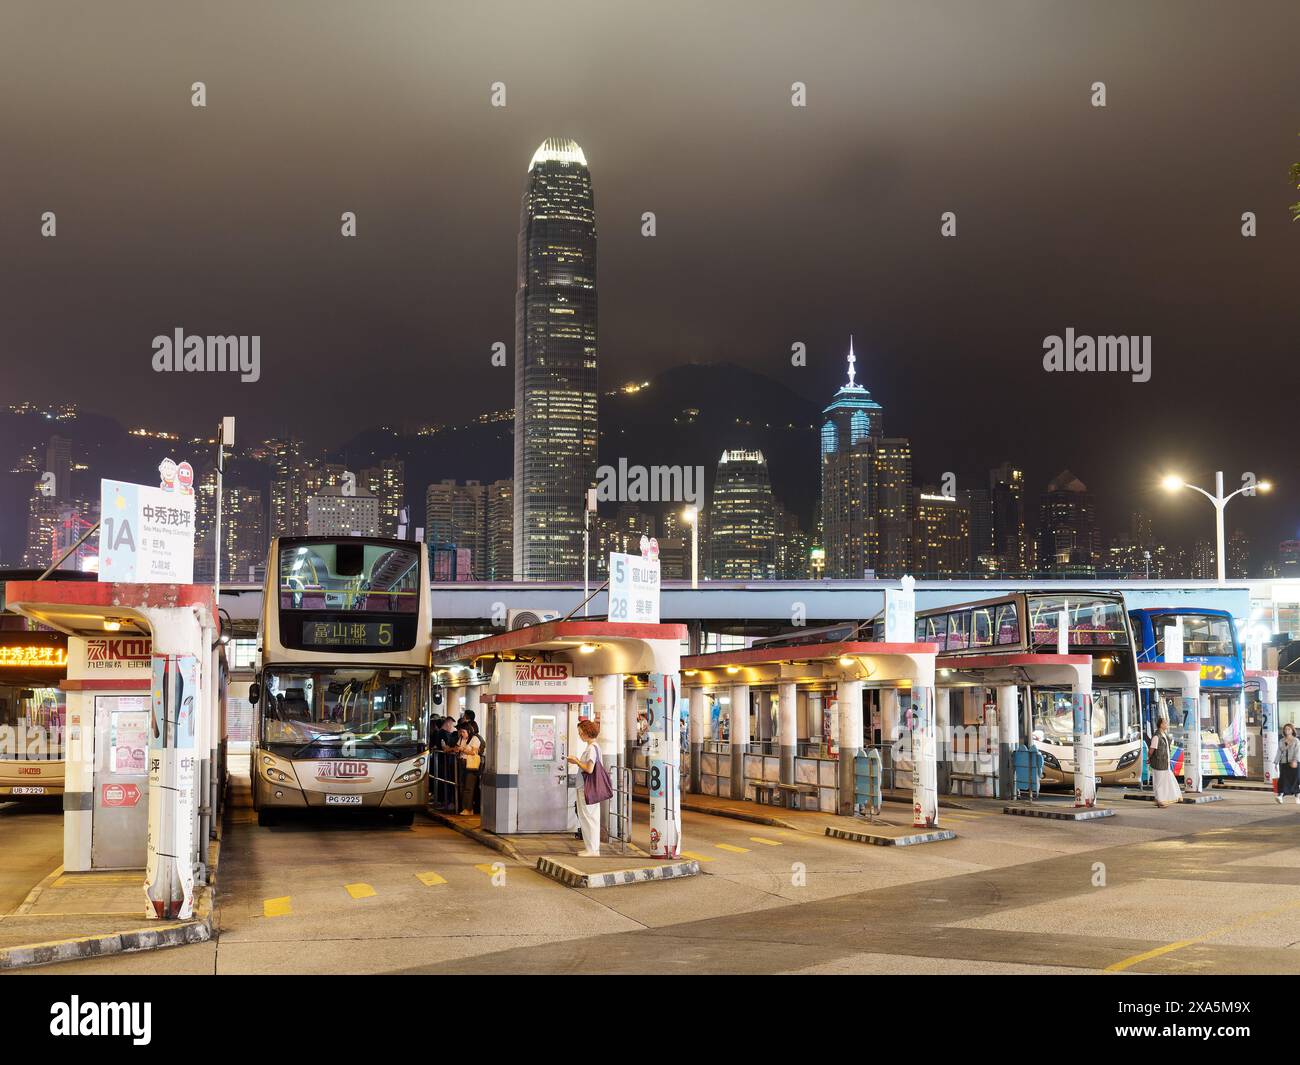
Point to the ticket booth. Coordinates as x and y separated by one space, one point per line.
533 709
142 704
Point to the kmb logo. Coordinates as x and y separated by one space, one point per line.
342 771
119 650
541 671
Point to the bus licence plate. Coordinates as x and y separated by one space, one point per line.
342 800
28 791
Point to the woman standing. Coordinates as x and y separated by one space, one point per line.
1288 763
1162 778
588 812
470 750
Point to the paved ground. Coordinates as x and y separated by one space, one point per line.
1190 889
31 847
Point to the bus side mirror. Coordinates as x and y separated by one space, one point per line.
254 693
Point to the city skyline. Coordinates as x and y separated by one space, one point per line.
1144 240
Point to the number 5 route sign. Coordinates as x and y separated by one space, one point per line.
633 589
146 534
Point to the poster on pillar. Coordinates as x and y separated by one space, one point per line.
1085 764
925 790
663 708
169 870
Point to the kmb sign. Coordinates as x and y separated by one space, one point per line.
120 795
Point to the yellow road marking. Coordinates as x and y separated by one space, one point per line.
695 857
430 879
484 867
766 842
280 907
359 891
729 847
77 880
1120 966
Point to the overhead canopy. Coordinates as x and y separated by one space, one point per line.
594 648
1181 676
840 660
82 608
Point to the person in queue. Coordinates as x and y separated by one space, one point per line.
470 751
1288 764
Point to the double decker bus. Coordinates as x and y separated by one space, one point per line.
1210 641
341 697
32 714
1029 623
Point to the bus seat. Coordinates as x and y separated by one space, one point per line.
294 705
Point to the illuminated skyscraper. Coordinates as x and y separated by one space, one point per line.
742 519
555 363
866 482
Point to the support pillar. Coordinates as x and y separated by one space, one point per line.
632 701
1085 764
473 701
1008 737
699 717
787 728
739 737
848 700
943 740
607 708
890 734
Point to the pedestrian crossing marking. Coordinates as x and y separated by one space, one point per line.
696 857
280 907
766 842
733 850
359 891
430 879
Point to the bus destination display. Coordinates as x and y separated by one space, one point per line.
358 635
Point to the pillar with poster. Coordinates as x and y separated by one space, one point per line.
664 758
925 791
169 872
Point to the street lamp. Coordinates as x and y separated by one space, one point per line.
691 516
1172 483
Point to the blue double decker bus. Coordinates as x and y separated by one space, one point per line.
1210 641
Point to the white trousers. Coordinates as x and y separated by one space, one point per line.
589 822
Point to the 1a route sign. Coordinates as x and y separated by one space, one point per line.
146 534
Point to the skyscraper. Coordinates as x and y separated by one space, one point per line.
941 535
742 519
387 483
555 363
456 515
850 423
1007 500
1068 541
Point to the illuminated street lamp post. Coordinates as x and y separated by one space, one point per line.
1172 483
692 517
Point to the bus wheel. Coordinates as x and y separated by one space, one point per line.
404 818
265 818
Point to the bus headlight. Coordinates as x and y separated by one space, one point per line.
410 776
1126 759
1049 760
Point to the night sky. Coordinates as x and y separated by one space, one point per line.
776 224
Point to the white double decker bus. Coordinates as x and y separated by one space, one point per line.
341 699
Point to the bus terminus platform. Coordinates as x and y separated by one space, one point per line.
531 686
794 715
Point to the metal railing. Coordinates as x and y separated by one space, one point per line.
617 819
446 775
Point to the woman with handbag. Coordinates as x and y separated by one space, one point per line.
1288 763
595 789
1163 781
470 751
